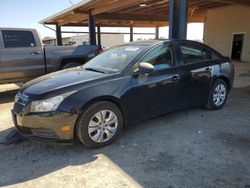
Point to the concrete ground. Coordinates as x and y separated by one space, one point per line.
191 148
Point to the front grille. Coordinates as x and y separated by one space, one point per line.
21 102
21 96
24 97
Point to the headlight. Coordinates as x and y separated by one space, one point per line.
48 105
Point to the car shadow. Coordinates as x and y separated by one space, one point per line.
29 160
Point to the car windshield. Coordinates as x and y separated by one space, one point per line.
114 60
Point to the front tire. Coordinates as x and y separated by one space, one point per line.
218 95
99 125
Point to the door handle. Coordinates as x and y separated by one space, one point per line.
35 53
208 69
175 78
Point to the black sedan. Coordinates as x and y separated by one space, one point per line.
126 84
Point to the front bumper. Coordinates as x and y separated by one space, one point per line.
46 126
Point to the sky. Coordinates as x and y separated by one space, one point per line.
27 14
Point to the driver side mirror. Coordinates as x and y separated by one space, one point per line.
144 68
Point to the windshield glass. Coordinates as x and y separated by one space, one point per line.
115 59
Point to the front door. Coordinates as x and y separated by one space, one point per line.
22 55
160 91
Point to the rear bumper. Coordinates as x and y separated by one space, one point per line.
46 126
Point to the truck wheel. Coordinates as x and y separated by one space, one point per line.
71 64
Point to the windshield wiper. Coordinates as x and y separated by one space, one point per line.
95 70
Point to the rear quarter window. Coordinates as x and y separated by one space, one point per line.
197 53
18 39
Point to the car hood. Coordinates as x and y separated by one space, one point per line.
61 79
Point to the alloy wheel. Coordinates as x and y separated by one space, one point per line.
102 126
219 95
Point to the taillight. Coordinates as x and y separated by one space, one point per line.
100 50
232 62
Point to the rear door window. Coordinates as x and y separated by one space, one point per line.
18 39
194 54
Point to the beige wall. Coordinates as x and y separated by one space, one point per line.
222 23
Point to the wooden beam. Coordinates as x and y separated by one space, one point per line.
109 33
196 17
234 2
151 6
132 17
115 5
127 23
132 7
75 18
146 18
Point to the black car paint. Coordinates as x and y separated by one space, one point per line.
138 96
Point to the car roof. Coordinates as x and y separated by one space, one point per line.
17 29
143 42
154 42
150 43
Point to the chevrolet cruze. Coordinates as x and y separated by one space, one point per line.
125 84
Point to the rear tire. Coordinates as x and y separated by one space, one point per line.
71 65
99 125
218 95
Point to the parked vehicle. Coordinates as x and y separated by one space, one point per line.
124 85
22 56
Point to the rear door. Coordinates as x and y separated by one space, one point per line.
198 70
21 55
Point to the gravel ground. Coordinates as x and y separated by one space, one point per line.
191 148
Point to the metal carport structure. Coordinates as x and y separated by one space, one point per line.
135 13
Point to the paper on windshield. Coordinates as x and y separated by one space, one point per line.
132 49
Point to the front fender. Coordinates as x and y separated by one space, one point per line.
111 90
